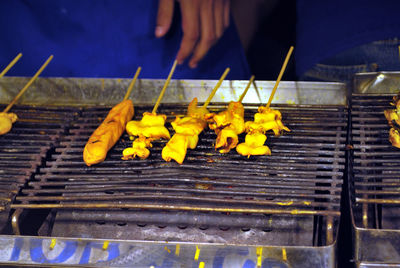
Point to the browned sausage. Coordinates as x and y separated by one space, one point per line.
108 133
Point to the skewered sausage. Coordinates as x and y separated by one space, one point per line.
108 133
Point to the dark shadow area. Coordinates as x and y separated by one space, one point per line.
271 42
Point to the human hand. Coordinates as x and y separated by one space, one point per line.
203 23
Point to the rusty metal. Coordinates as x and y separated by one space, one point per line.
25 147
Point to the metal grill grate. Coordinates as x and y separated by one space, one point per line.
24 148
300 182
376 169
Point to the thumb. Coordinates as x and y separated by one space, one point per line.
164 17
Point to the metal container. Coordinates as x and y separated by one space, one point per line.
374 172
213 210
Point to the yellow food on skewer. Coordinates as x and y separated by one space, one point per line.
139 148
7 119
150 127
188 128
254 145
108 133
394 137
266 119
392 117
227 125
186 134
111 129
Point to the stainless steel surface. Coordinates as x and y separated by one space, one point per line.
287 203
72 252
375 194
95 91
377 83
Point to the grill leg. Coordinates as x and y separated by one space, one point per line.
15 221
329 230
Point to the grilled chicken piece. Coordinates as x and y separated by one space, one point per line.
6 121
266 119
392 116
186 134
227 125
254 145
108 133
139 148
151 126
177 146
396 101
188 125
394 137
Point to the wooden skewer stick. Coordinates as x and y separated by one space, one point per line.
280 76
11 64
132 83
216 87
165 87
257 91
247 88
22 91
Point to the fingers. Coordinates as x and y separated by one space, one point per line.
203 23
191 28
218 19
208 32
164 17
227 12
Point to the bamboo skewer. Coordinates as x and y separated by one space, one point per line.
11 64
22 91
216 87
165 87
280 76
128 92
257 91
247 88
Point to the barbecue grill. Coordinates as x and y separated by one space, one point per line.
374 172
213 210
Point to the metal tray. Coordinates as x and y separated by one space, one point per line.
374 197
27 250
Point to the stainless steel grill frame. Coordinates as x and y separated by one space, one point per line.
316 157
374 172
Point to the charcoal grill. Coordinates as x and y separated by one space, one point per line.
374 172
24 149
282 209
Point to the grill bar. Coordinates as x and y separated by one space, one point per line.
181 219
25 147
176 207
147 197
